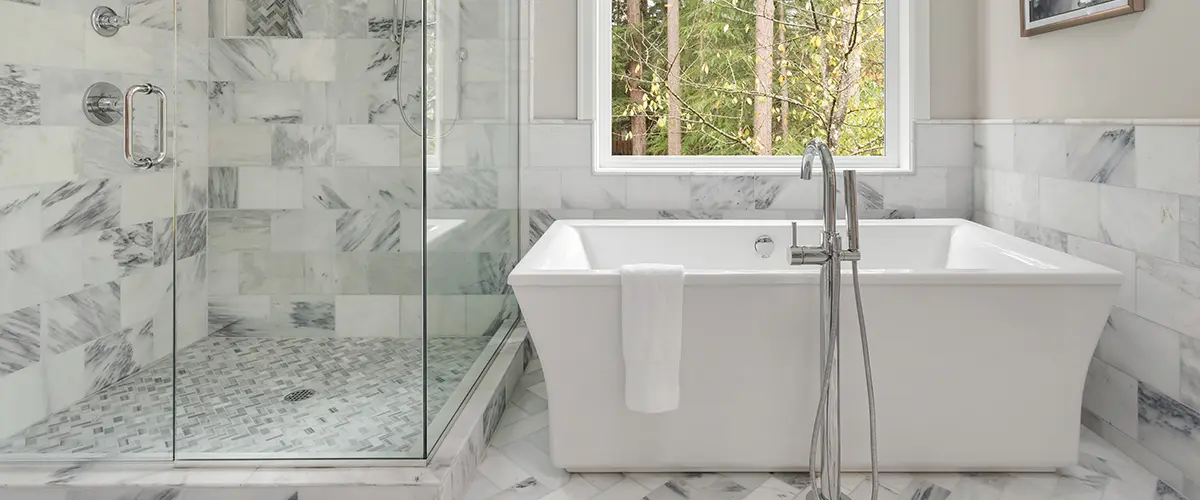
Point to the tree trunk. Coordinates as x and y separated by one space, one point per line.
850 75
674 84
783 74
637 96
764 42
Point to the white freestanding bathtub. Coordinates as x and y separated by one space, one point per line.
980 343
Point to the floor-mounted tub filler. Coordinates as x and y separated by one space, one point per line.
979 345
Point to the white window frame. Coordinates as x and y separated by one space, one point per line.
906 93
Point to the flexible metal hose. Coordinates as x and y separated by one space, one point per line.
818 433
399 38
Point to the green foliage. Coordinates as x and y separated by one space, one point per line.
828 74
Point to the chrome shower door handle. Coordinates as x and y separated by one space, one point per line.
146 162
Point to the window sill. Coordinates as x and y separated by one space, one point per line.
741 165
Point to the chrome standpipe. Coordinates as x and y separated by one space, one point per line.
829 254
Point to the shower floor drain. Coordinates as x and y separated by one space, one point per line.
299 395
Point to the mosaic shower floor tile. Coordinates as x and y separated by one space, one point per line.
264 396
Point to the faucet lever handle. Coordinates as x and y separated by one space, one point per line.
850 188
794 234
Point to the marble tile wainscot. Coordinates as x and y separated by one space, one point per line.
558 182
1125 194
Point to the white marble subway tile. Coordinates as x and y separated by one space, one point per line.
257 102
1103 154
303 230
65 378
223 273
477 231
806 195
1189 230
1140 220
75 208
483 311
139 50
1113 396
146 196
51 148
1189 371
479 145
143 293
236 145
333 19
490 61
20 217
396 273
447 315
368 316
1168 159
185 321
748 192
926 188
485 101
38 273
111 358
352 273
1170 430
1002 224
224 311
83 316
945 145
303 315
368 146
1013 195
560 145
369 231
364 187
541 188
222 187
305 145
191 188
662 192
1041 235
1144 349
1070 206
995 146
191 232
412 316
20 87
464 187
271 273
1040 149
20 339
1169 294
23 399
253 59
270 188
960 184
114 253
33 35
1115 258
239 230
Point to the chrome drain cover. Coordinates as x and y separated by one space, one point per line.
299 395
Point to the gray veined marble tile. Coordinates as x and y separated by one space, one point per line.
20 339
1189 371
20 103
80 317
333 18
278 59
158 14
35 274
80 207
394 273
369 231
191 189
271 273
304 313
1141 220
1169 429
1102 155
303 230
302 146
464 187
368 145
1164 491
735 192
1169 294
20 217
239 230
114 253
114 357
222 187
164 242
191 232
1041 235
259 102
1189 230
273 18
363 187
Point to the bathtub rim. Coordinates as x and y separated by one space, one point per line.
1073 270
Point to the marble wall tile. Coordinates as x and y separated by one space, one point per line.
83 316
22 399
368 145
304 230
352 273
368 316
479 145
944 145
38 273
446 315
1115 258
65 378
225 311
541 188
53 149
1189 230
1169 294
236 145
222 187
114 357
1100 154
272 59
223 270
270 188
995 146
143 293
333 19
35 36
1041 149
1070 206
239 230
735 192
464 187
928 188
302 145
191 189
394 273
485 313
1168 159
20 339
370 231
20 217
1189 371
191 232
1113 396
666 192
1169 429
270 273
78 207
1041 235
19 100
265 102
560 146
303 315
1013 195
1139 220
479 231
365 188
140 50
188 322
1146 350
115 253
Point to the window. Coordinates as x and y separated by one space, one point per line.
744 84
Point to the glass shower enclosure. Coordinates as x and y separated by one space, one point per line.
276 229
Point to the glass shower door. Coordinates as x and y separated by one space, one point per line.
87 256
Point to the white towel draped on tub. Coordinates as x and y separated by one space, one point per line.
651 335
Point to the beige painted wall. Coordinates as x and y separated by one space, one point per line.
951 67
1136 66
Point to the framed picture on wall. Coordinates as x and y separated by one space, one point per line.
1041 16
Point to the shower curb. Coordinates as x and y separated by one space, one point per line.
446 475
